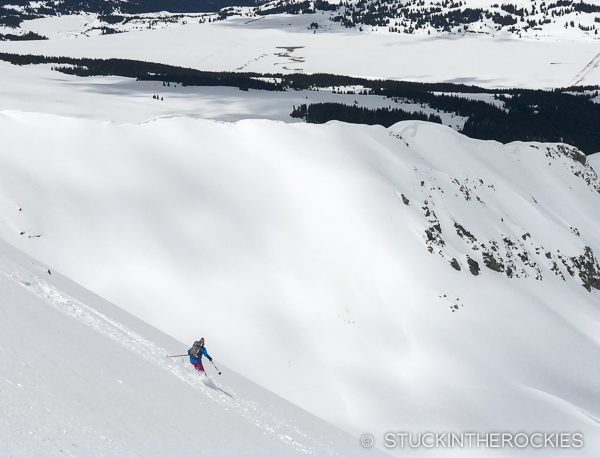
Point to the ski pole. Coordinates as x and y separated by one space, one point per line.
216 367
176 356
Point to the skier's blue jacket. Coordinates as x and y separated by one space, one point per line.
197 360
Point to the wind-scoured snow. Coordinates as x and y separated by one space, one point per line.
79 377
335 264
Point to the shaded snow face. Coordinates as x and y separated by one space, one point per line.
384 279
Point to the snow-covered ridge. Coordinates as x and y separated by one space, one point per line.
512 251
311 257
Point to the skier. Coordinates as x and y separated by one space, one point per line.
196 353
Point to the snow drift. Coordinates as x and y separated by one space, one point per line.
402 279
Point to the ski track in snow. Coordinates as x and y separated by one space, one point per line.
116 331
587 71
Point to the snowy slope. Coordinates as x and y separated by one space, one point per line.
321 260
79 377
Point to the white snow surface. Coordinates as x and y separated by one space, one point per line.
301 253
80 378
243 44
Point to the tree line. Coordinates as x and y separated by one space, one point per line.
319 113
566 115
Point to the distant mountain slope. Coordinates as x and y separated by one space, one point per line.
402 279
522 18
79 377
122 6
14 12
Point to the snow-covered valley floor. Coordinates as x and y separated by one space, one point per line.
238 44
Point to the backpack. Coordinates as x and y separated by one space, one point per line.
197 349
